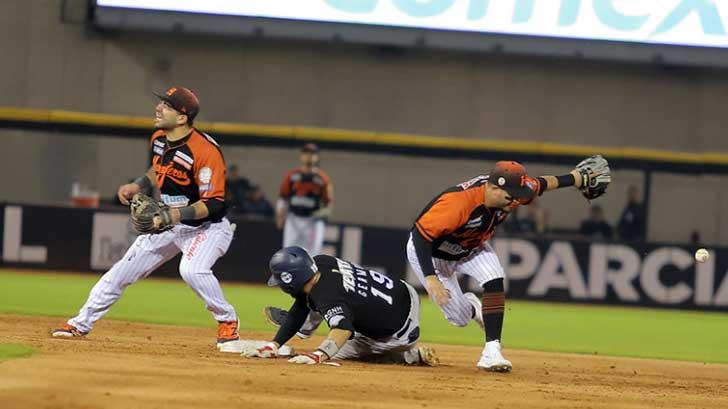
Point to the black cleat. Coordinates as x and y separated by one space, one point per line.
277 316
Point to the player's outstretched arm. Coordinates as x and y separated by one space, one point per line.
331 345
591 176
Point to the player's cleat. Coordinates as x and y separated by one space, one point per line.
492 359
477 309
428 356
227 331
277 316
68 331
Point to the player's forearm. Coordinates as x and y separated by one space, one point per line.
423 250
331 345
294 321
195 211
572 178
146 182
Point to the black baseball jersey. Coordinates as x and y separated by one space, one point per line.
305 192
356 299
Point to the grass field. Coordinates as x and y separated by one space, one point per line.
647 333
8 351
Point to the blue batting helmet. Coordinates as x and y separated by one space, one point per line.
291 268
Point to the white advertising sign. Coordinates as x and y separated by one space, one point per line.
677 22
112 235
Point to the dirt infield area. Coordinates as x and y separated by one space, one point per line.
130 365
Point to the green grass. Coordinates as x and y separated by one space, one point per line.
8 351
648 333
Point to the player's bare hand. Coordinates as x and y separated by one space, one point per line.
269 350
127 191
437 291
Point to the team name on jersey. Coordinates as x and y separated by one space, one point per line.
354 279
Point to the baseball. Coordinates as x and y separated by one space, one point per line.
702 255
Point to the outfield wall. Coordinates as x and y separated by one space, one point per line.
69 239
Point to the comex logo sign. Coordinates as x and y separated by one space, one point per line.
695 22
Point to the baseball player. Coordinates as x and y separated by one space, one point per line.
451 235
189 171
305 201
371 316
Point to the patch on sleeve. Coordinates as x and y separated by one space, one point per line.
334 316
205 175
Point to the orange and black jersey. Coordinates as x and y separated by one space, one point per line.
189 170
305 192
456 222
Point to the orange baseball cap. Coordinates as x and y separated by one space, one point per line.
511 176
182 100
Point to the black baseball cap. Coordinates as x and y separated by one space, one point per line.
511 176
310 148
182 100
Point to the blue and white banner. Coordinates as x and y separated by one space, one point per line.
676 22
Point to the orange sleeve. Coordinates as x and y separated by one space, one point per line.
445 216
209 171
285 191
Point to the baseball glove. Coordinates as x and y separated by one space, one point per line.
143 211
595 176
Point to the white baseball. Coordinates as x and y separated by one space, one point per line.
702 255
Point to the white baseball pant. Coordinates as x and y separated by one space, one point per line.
399 348
306 232
200 246
482 264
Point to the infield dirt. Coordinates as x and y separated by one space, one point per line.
131 365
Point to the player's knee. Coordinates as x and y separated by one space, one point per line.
459 320
187 271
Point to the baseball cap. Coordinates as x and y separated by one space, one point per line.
182 100
511 176
310 148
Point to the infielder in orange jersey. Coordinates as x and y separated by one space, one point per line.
189 171
452 235
304 203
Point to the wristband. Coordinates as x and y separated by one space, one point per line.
566 180
328 348
187 213
144 183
